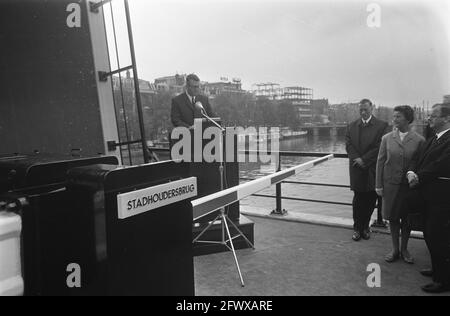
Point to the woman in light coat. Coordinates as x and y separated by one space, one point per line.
397 153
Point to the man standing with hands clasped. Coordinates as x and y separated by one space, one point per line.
363 142
430 179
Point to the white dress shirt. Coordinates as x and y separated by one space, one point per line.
402 135
190 98
368 120
439 135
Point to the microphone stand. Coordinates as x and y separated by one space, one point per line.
223 216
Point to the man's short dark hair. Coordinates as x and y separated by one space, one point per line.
407 112
192 77
364 101
445 108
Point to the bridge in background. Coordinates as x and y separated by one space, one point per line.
341 128
326 129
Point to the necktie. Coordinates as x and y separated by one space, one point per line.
193 100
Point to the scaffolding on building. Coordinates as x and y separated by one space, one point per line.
270 90
300 94
273 91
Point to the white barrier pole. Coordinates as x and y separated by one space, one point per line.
213 202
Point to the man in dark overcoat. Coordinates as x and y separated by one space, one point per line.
363 140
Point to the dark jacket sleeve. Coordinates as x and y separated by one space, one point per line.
415 158
439 168
351 150
370 158
176 115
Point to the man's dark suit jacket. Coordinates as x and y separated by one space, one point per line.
183 111
363 180
432 198
433 162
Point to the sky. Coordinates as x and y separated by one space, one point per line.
326 45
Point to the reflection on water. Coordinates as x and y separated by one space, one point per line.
334 144
326 144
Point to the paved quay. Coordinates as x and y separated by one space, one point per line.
331 172
298 259
309 251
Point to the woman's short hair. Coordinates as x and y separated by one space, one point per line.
407 112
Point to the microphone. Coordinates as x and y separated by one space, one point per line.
199 106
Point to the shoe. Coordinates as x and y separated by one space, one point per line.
356 236
436 288
427 273
366 234
407 257
392 257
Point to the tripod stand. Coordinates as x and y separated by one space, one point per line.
226 237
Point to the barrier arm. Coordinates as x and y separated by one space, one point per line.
211 203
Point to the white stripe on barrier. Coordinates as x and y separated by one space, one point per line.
312 164
250 188
244 190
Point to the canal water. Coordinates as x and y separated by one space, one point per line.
334 171
324 144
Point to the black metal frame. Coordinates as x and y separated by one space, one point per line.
278 196
279 208
103 77
94 6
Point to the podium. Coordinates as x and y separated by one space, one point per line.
209 182
136 233
48 225
208 173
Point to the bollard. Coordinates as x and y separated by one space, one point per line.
279 208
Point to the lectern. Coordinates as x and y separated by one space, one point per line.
48 224
208 173
137 233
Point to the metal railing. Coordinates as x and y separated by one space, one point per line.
279 197
278 194
208 204
278 189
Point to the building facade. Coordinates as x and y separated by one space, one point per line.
217 88
172 84
300 97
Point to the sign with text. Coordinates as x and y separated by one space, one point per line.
137 202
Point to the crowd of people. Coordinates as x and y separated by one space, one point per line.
412 175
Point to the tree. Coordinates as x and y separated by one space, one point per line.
234 109
157 117
384 113
287 114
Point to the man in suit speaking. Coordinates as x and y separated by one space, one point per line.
189 105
